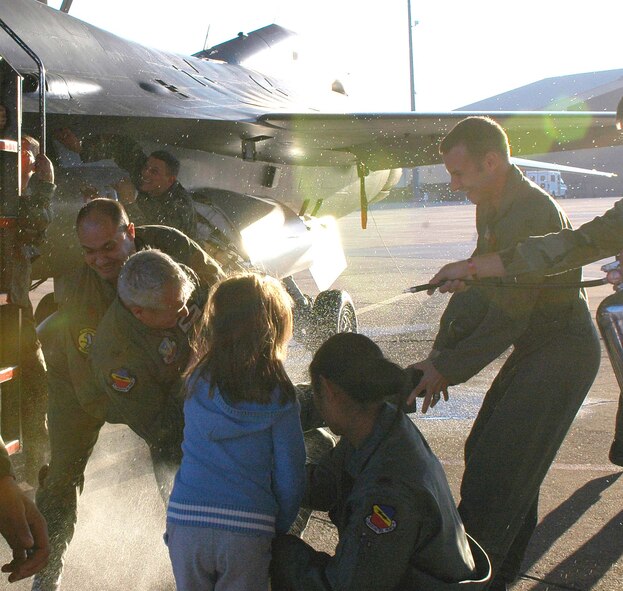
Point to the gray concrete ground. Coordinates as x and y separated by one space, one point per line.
578 544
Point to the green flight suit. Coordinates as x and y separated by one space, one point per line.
531 403
568 249
139 369
76 411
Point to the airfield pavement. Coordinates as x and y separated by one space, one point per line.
578 544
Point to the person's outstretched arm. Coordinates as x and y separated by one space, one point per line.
450 276
22 526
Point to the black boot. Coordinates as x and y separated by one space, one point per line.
616 452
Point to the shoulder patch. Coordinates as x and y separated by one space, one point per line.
167 350
122 380
381 519
85 340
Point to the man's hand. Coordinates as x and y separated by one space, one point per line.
89 192
2 116
24 529
615 277
126 191
614 272
448 278
69 139
44 169
431 386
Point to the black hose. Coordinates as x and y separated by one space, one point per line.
515 285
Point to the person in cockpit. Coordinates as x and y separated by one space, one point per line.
152 195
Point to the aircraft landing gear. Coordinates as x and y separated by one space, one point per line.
333 311
315 320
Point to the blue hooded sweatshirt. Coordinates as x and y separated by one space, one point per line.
243 467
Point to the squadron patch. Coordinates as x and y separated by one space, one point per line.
122 380
380 520
85 340
167 350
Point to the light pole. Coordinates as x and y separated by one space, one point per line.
412 25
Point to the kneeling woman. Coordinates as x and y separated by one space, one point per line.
383 487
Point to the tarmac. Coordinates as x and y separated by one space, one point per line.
578 544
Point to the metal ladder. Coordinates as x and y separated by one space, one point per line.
13 445
11 82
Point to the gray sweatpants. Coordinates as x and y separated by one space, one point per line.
206 559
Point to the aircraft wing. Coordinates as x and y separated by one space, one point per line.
392 140
529 163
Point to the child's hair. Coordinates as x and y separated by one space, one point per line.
243 338
357 365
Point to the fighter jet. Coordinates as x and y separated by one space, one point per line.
277 164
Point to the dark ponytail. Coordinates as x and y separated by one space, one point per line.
357 365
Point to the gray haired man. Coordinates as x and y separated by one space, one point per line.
142 348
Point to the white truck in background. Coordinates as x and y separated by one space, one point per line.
550 180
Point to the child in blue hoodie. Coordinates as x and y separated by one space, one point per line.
242 476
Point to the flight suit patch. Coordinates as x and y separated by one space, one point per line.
167 350
381 519
122 380
85 340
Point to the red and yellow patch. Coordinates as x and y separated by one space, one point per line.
122 380
381 519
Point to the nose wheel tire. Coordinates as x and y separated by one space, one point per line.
333 311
